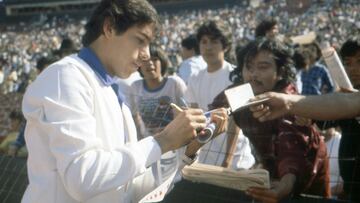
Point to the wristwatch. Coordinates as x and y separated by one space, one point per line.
189 160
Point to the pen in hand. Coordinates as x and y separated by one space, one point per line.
176 107
205 134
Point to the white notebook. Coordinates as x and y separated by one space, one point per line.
227 178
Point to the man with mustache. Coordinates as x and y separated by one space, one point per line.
294 155
342 106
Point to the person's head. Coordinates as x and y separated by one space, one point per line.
190 47
43 62
266 64
123 29
314 52
267 28
67 47
15 120
350 55
156 66
214 41
301 59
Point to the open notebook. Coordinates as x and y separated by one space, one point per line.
225 177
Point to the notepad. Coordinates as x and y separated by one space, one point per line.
226 177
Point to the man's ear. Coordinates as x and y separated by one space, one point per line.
108 28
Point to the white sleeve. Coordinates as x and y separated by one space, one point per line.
59 110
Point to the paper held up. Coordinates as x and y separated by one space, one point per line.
304 39
239 97
335 66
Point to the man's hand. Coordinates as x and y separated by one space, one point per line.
220 118
182 130
278 105
279 190
347 90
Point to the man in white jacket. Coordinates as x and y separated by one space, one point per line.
81 137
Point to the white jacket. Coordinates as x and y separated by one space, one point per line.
78 138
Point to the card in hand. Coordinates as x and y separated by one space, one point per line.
238 97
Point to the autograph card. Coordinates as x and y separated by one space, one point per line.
239 96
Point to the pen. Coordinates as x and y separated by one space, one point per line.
176 107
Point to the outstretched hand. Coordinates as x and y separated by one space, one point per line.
276 106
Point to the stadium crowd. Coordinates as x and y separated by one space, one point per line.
22 45
26 49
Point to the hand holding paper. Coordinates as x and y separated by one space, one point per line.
239 97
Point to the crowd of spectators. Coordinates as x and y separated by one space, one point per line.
23 44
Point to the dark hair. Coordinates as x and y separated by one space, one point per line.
282 57
156 52
315 53
43 62
123 14
67 47
264 26
190 42
301 59
215 30
16 115
350 47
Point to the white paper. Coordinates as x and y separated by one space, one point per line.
159 193
336 68
238 97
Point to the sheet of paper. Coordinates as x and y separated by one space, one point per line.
239 96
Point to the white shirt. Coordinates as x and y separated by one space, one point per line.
190 67
332 146
205 86
82 145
